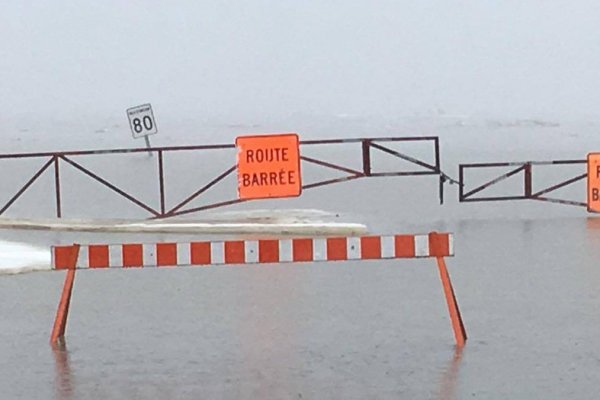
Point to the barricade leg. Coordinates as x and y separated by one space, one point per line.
60 322
460 333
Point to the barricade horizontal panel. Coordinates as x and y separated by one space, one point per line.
204 253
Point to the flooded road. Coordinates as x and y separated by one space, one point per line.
525 274
528 291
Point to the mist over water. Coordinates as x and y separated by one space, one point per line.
263 61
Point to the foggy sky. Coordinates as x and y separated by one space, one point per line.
271 59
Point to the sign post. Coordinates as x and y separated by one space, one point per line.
142 122
593 182
268 166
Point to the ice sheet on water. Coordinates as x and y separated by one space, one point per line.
16 258
273 216
292 221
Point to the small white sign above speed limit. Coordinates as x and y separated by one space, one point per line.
141 121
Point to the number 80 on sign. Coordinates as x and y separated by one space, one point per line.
141 121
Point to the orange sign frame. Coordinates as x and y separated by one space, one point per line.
268 166
593 182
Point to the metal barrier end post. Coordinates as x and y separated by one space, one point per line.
60 321
437 249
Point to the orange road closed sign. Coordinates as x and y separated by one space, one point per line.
268 166
593 184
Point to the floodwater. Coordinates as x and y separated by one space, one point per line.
525 274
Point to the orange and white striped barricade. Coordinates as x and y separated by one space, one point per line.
235 252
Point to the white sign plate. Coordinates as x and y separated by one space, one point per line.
141 121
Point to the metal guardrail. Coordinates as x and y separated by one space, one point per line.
526 168
365 148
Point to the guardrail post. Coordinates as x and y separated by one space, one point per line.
161 182
461 178
438 167
57 187
527 180
60 322
366 153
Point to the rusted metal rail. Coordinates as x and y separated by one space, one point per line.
365 148
526 168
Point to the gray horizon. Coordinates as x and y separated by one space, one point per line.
261 60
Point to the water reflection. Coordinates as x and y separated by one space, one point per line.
449 381
63 380
271 324
593 224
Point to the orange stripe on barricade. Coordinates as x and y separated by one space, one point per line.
439 244
133 255
62 256
337 249
200 253
235 252
166 254
268 251
370 247
404 246
98 256
302 250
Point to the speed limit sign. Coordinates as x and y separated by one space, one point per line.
141 121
